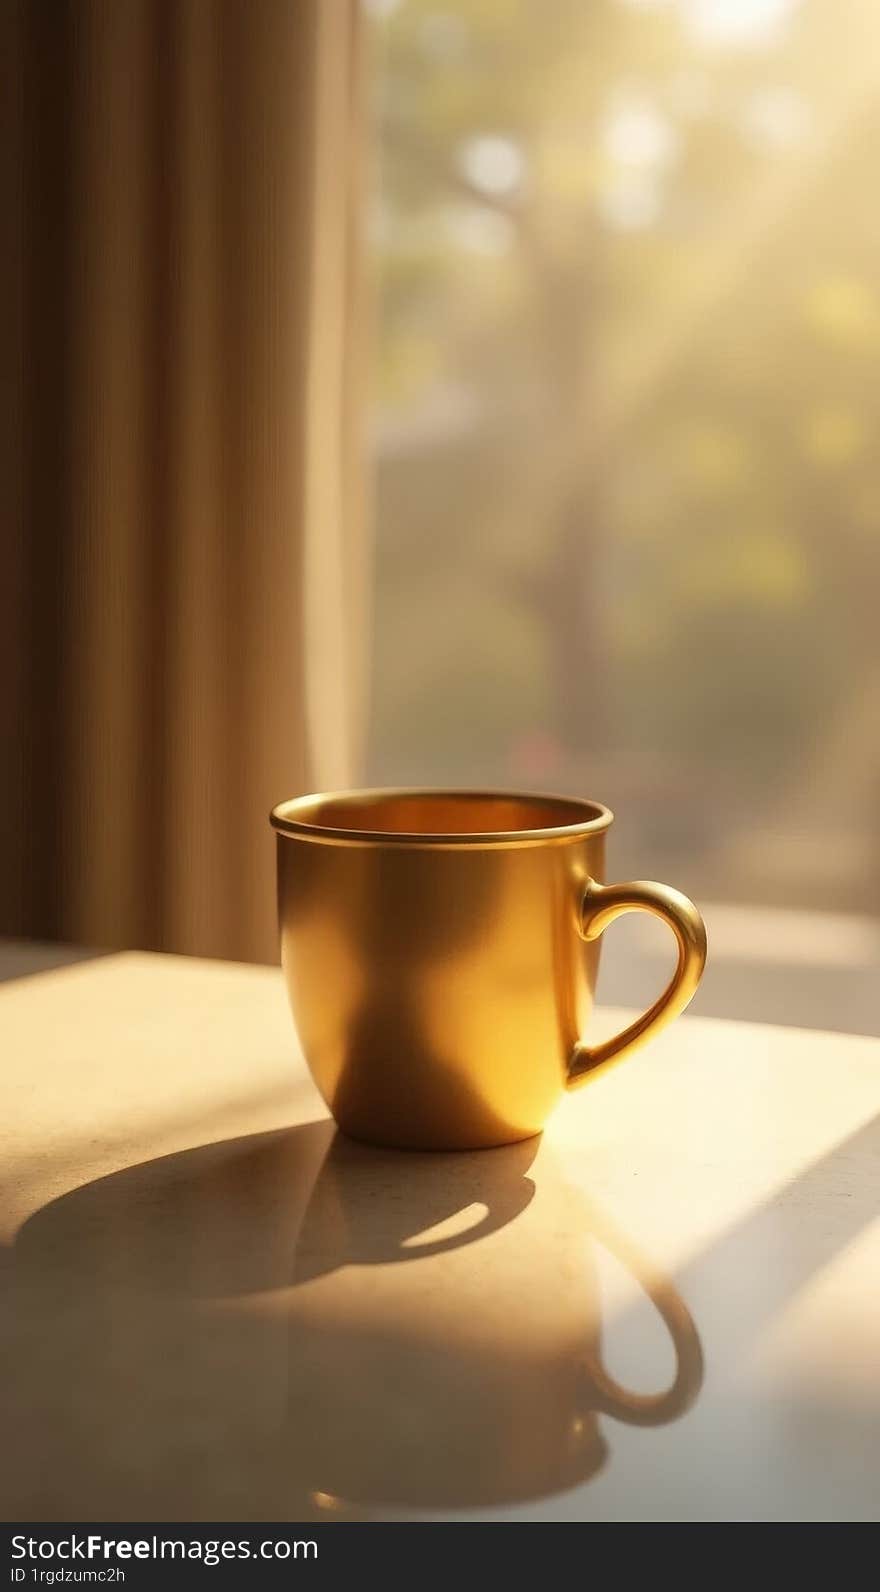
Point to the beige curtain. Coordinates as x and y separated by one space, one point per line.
183 613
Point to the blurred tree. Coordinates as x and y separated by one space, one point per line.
491 113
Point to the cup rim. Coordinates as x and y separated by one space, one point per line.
290 818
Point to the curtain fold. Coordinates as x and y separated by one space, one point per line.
184 618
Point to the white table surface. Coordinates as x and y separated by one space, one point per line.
215 1309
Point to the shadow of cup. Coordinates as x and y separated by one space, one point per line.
275 1325
464 1367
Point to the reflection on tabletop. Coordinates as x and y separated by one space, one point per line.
288 1324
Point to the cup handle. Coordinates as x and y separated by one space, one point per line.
601 904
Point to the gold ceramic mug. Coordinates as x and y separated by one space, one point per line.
441 950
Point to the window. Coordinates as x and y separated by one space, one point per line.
627 416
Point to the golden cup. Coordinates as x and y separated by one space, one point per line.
441 950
